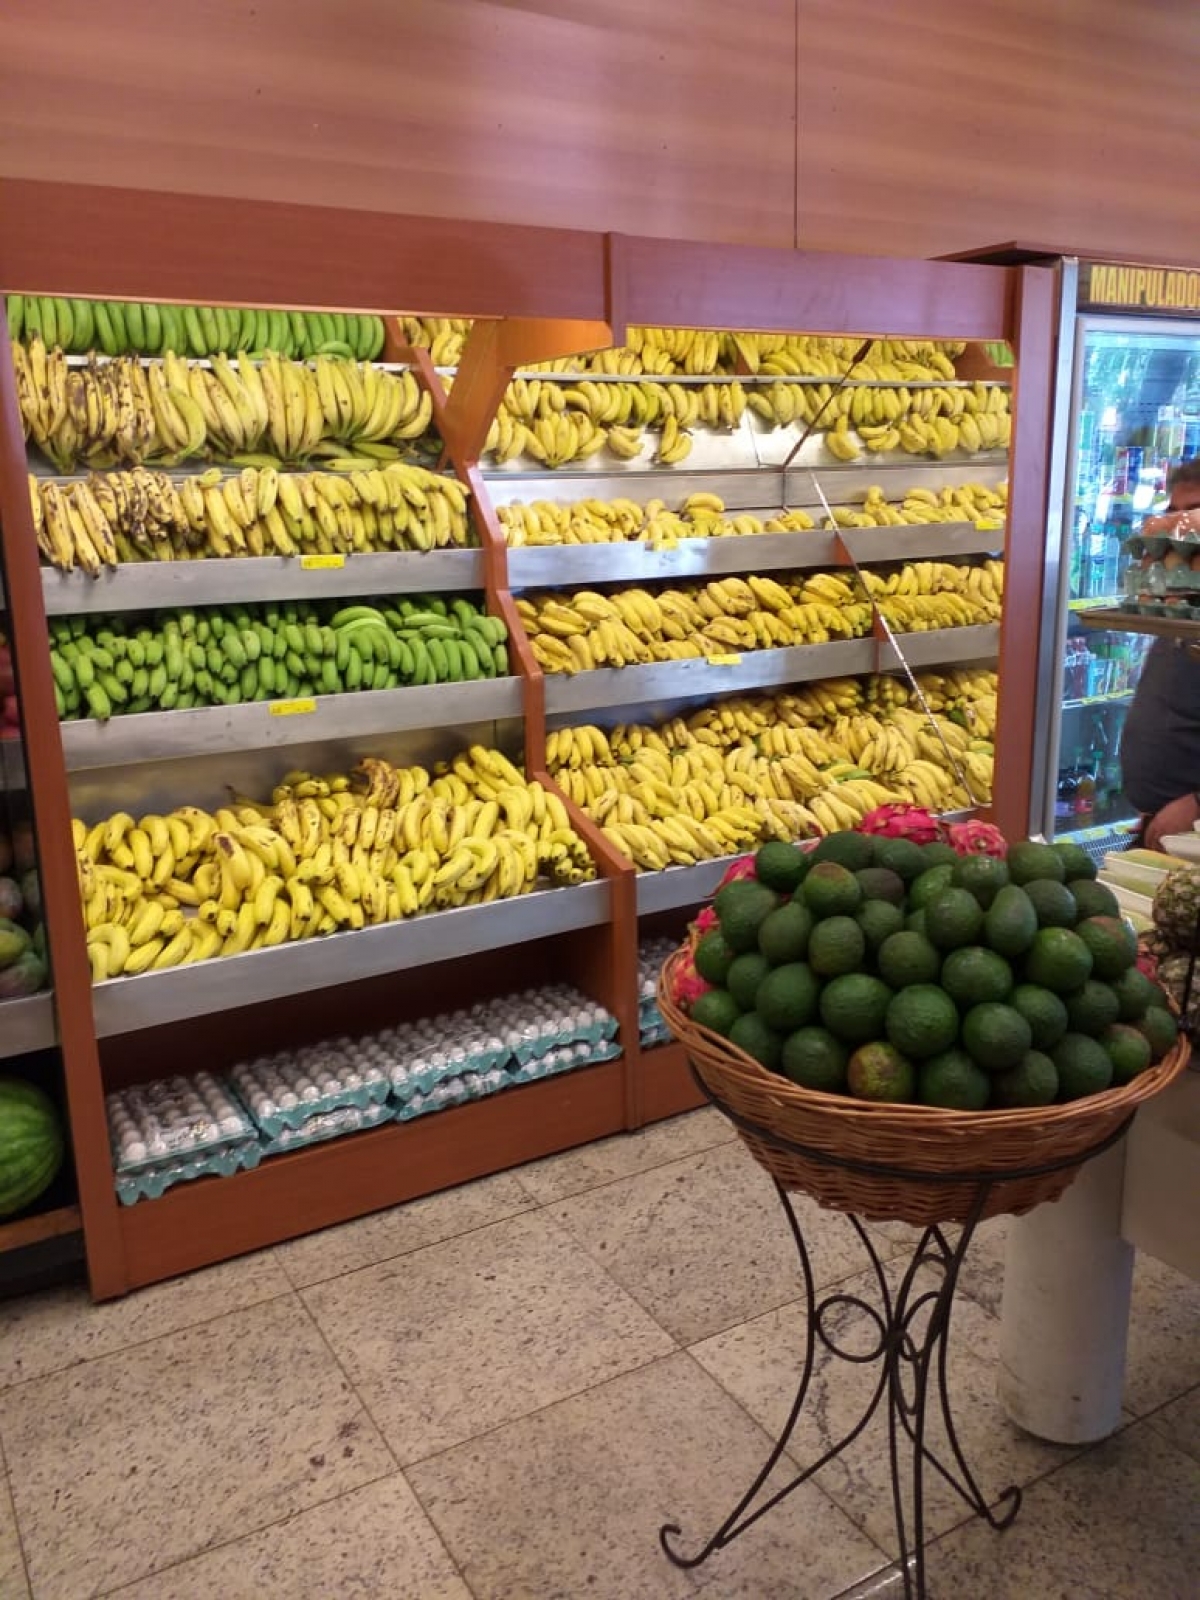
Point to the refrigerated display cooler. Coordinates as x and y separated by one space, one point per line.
1126 411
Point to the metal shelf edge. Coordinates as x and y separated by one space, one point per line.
699 678
27 1024
681 886
555 566
215 730
124 1005
155 585
763 669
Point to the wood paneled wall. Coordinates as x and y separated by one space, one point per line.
870 125
947 124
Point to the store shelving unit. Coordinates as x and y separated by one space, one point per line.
549 294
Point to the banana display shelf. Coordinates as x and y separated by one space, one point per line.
356 850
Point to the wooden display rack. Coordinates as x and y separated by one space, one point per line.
540 293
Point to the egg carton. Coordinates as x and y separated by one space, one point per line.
173 1119
1158 545
286 1091
330 1124
152 1182
449 1045
539 1021
451 1092
414 1101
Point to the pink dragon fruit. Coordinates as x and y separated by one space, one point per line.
688 985
743 867
975 838
1147 961
704 923
902 822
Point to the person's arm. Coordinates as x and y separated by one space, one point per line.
1180 816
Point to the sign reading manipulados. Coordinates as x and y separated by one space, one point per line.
1174 290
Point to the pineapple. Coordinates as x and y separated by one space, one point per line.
1172 974
1177 908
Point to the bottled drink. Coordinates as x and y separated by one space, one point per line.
1064 797
1085 794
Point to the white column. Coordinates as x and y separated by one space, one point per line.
1065 1312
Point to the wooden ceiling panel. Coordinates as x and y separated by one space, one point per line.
609 115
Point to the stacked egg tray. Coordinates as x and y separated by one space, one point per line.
1163 578
179 1128
652 955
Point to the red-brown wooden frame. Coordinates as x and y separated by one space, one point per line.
548 286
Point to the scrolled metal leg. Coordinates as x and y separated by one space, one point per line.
904 1353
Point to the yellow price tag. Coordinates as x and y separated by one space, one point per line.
727 660
321 563
988 524
291 708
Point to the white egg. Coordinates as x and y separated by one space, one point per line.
288 1100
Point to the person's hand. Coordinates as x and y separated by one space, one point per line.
1178 817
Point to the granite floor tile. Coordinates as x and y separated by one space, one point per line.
13 1583
982 1272
401 1229
1119 1523
1163 1359
568 1503
1179 1423
759 1363
702 1243
144 1458
476 1331
46 1332
374 1543
624 1155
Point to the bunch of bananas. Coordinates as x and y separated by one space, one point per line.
931 422
233 655
443 337
124 411
347 851
783 766
146 515
125 327
967 696
702 516
696 352
584 630
963 502
938 594
556 424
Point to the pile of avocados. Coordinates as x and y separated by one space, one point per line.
890 971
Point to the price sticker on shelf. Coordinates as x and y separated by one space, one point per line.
321 563
988 524
726 660
291 708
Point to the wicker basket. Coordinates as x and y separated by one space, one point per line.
915 1164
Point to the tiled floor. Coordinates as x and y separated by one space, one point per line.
504 1391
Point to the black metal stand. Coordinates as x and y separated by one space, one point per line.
912 1370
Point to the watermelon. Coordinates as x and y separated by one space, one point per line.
31 1144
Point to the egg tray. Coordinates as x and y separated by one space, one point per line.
462 1087
1181 609
173 1119
283 1093
1159 544
331 1124
151 1183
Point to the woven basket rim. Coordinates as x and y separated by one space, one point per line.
932 1119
